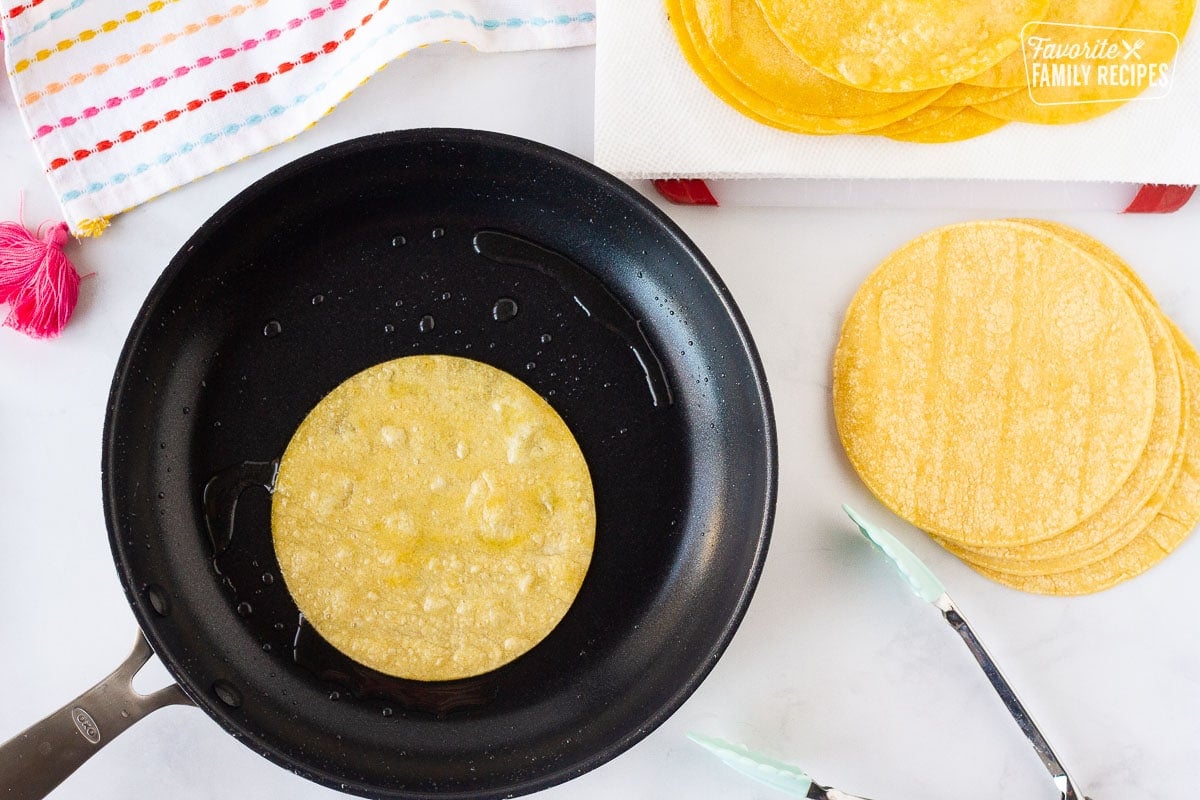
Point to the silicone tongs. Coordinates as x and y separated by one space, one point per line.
924 583
785 777
926 586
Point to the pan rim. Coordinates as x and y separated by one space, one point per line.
638 203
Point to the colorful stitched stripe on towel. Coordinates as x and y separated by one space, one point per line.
123 104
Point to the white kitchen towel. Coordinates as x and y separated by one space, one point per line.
126 100
655 119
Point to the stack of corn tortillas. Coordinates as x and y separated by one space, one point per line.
906 69
1012 388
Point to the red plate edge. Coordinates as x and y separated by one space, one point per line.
1151 198
685 191
1160 198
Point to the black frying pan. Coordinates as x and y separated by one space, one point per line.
427 242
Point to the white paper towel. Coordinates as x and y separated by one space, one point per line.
655 119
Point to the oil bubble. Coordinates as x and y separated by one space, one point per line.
227 693
505 309
158 600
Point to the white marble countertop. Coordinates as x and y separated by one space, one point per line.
836 667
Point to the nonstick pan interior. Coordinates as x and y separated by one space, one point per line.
469 244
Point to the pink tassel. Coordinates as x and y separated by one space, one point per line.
36 279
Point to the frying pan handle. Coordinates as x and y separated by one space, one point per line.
35 761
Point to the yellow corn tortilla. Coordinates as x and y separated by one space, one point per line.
700 66
922 118
1112 527
779 112
966 124
1137 502
1100 251
901 45
964 94
1171 526
739 36
992 384
819 67
1010 72
433 518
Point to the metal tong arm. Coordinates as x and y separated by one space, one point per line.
829 793
1057 771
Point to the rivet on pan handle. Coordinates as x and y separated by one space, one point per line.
35 761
